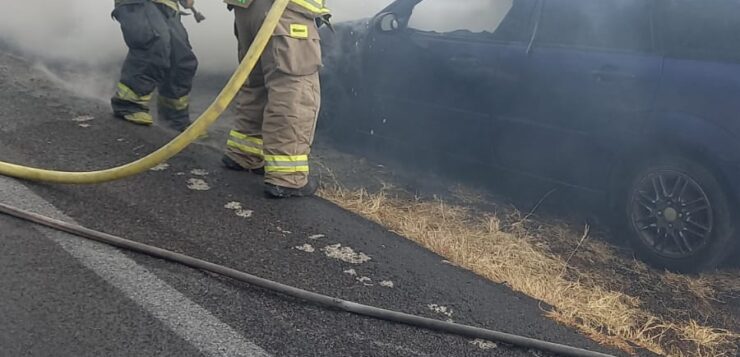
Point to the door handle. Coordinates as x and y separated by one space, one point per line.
465 61
611 75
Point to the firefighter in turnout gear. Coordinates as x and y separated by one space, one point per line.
278 106
160 57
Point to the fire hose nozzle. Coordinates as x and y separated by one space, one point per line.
199 17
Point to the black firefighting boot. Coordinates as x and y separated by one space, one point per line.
174 112
274 191
230 164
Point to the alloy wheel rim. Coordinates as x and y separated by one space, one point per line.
672 214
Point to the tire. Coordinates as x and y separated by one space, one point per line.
678 216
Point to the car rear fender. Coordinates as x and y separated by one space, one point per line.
679 134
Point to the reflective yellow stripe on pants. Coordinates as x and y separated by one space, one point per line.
286 163
178 104
123 92
246 144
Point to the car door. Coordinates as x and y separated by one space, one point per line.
592 77
432 82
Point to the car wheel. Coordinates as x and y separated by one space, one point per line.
679 217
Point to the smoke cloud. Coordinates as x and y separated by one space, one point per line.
82 31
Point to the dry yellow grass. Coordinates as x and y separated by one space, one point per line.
520 254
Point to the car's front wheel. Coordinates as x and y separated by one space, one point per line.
679 216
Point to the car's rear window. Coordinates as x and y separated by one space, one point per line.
701 29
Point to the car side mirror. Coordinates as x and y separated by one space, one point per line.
387 22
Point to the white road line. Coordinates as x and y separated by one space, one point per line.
187 319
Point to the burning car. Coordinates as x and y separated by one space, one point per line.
633 100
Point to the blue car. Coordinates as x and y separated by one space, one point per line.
636 100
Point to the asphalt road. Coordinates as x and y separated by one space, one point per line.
64 296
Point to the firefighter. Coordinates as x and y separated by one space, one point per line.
160 57
278 106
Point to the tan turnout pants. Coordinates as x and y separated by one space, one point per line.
278 106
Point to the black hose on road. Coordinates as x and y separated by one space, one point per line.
328 301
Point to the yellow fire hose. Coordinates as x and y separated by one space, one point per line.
178 144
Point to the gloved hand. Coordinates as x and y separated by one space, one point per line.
324 20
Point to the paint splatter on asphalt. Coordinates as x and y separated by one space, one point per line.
345 254
161 167
198 185
306 248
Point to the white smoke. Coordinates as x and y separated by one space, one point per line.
82 31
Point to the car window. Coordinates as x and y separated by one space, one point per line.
609 24
517 25
507 20
700 29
